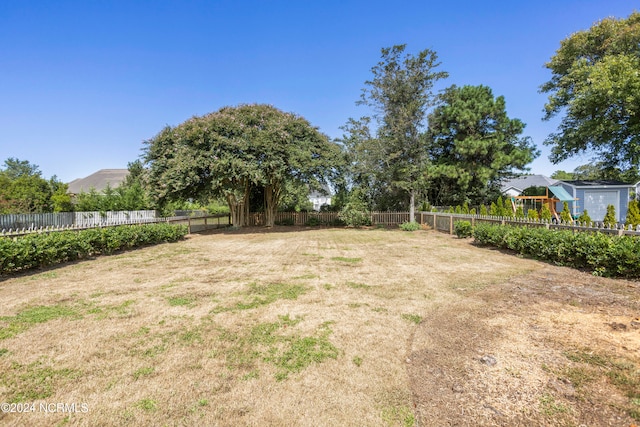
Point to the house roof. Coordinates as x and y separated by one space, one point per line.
525 181
98 181
597 183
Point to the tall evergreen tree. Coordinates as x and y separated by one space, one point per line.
400 93
474 144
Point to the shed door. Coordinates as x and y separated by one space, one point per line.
596 201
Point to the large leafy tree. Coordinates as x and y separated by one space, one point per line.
234 150
595 87
473 144
399 94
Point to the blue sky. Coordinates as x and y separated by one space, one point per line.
84 83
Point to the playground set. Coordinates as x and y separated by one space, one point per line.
558 194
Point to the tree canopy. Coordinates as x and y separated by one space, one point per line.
234 150
400 94
24 190
473 143
595 87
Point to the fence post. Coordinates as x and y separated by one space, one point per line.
450 224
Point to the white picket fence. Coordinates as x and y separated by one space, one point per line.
18 224
443 221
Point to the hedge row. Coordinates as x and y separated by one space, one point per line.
40 250
601 253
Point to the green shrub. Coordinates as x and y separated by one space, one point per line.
424 207
463 229
493 210
565 215
41 250
633 215
354 217
584 217
532 214
483 210
500 209
355 212
519 212
410 226
313 221
610 217
545 213
601 253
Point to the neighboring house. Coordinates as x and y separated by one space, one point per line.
98 181
320 198
596 195
515 186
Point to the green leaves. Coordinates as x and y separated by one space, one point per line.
40 250
390 163
601 253
473 144
596 85
227 153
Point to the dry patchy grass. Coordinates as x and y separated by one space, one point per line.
321 327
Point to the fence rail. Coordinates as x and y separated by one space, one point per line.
19 224
446 221
441 221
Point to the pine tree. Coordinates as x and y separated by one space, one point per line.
565 215
500 211
610 217
633 215
519 212
532 214
545 213
494 209
584 218
483 210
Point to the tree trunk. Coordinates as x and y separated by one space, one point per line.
269 210
412 205
271 200
237 211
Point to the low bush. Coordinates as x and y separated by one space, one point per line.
617 256
313 221
463 229
354 217
410 226
41 250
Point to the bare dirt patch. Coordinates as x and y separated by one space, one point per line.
322 327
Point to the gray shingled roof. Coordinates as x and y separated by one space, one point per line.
98 180
596 183
525 181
